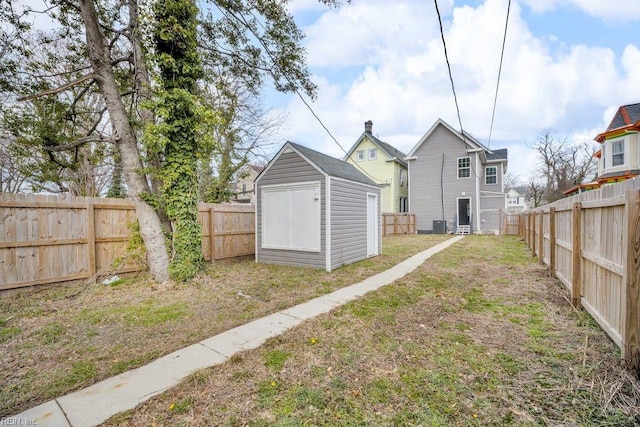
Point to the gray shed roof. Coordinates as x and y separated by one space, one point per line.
500 154
332 166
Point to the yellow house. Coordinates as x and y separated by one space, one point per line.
385 165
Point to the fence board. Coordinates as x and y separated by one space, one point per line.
597 251
47 239
398 223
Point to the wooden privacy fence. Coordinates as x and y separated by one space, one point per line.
509 223
52 239
591 243
398 223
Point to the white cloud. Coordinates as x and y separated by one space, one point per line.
610 11
396 76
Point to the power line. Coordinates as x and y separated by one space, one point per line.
286 76
453 88
495 100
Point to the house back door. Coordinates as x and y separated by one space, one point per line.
464 211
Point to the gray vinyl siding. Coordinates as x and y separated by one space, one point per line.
492 187
490 206
291 168
425 195
349 222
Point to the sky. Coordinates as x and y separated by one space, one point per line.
568 65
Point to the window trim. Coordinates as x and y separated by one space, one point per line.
360 157
401 179
620 142
373 151
461 168
487 176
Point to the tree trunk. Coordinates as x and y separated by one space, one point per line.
125 139
143 92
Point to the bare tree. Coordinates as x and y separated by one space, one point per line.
244 132
562 164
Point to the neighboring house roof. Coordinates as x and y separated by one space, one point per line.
256 168
499 155
520 190
581 188
327 164
387 148
626 118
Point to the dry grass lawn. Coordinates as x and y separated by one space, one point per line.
54 340
478 335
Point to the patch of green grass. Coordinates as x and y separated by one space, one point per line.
81 373
475 302
268 389
384 303
8 332
51 333
125 365
148 314
275 359
182 406
509 363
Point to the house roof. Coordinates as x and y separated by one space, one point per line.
467 138
387 148
520 190
256 168
500 154
332 166
626 118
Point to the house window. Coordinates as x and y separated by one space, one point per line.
512 200
403 205
291 217
373 153
402 173
244 188
491 175
360 155
617 153
464 167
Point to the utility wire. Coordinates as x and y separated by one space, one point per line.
495 100
453 88
286 76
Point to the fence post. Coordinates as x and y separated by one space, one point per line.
541 238
552 242
576 251
533 233
631 331
91 239
395 224
212 233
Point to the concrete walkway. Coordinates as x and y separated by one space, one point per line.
95 404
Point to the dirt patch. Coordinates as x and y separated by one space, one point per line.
478 335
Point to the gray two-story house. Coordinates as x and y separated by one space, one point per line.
456 182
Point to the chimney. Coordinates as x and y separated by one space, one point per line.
367 126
